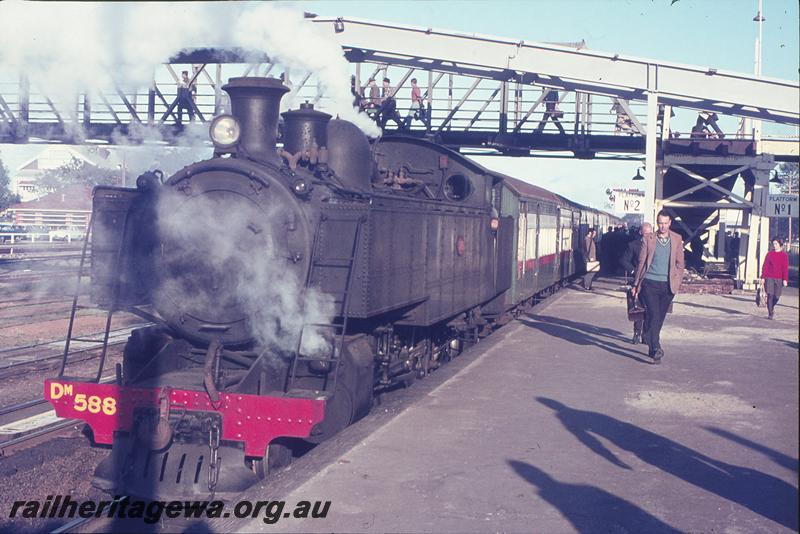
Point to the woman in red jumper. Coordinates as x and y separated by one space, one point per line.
775 274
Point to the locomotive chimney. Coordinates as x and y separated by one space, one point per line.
305 129
255 103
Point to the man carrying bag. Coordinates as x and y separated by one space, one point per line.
630 262
590 257
658 279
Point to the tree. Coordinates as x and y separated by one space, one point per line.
7 197
77 171
788 172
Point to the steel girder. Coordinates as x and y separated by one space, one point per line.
693 189
630 78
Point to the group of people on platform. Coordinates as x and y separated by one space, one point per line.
616 250
380 103
655 262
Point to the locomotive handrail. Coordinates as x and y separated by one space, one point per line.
75 303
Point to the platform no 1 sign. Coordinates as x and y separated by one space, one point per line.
782 205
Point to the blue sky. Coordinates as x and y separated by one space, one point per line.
713 33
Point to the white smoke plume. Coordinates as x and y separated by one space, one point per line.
69 48
229 259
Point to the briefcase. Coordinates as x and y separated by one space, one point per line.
761 296
635 308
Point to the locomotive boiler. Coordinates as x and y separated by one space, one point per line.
286 286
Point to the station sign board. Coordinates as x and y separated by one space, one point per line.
782 205
628 200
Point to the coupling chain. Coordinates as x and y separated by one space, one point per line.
214 465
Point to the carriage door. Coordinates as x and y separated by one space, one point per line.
576 240
557 269
536 247
522 240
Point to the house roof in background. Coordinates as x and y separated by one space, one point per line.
71 198
54 156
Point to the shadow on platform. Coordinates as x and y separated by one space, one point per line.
589 508
751 298
717 308
620 293
794 345
764 494
783 460
584 334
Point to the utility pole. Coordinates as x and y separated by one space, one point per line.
789 182
759 18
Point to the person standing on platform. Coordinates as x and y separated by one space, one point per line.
551 112
775 275
630 260
185 100
658 278
374 101
606 254
356 92
388 108
590 258
623 124
417 108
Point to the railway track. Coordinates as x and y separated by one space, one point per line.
34 437
53 313
32 422
48 354
19 277
12 304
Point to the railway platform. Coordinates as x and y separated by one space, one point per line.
557 423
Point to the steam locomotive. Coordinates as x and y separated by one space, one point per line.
287 287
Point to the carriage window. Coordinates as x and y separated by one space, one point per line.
457 187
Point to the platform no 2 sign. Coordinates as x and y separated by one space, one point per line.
782 205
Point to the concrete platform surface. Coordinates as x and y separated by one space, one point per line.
562 425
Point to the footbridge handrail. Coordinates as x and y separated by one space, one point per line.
705 88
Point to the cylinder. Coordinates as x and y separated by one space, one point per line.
305 128
255 104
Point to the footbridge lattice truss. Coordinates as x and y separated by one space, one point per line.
481 92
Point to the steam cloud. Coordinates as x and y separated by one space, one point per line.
241 269
68 48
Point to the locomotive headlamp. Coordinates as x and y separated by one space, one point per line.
225 131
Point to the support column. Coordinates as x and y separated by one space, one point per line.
24 108
151 103
24 99
576 130
758 239
651 204
87 111
503 126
